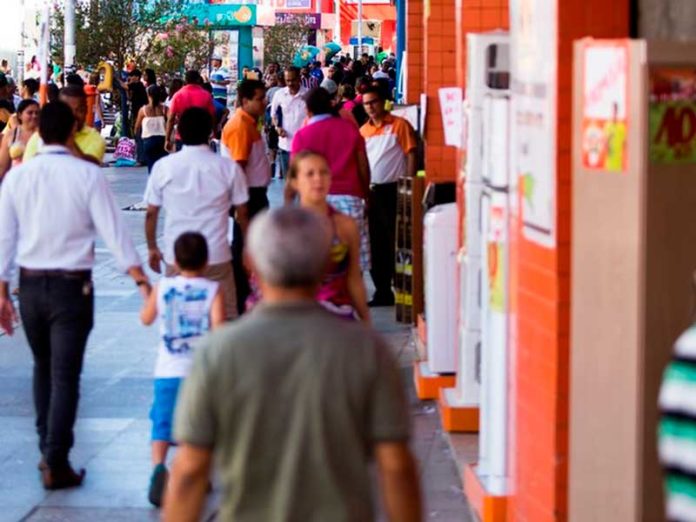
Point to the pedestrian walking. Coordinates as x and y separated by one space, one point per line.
186 306
288 111
150 124
88 143
15 141
308 80
192 94
220 79
342 290
391 150
242 141
304 457
52 209
198 190
95 105
339 141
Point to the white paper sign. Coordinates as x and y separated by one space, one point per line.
534 70
451 109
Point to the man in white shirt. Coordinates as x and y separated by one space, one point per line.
289 112
51 210
383 73
198 189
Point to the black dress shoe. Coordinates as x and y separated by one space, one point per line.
62 478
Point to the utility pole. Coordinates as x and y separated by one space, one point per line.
360 30
22 46
69 46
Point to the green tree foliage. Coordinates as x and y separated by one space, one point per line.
282 41
150 32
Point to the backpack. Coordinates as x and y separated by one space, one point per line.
125 153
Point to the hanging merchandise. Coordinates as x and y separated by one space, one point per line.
331 49
305 55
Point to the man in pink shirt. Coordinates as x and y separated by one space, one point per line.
340 142
192 94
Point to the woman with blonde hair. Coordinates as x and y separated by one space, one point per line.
342 290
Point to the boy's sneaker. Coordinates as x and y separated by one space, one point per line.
158 482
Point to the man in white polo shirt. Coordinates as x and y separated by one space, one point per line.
289 112
391 151
198 189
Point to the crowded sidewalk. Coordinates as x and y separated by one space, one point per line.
112 432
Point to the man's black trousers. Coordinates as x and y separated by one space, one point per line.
382 221
258 201
57 312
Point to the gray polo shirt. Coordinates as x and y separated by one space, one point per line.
293 399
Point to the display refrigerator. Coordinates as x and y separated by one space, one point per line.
485 182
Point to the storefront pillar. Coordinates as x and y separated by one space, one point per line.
543 32
246 48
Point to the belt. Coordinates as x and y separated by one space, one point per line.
72 274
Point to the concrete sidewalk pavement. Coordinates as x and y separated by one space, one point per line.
112 433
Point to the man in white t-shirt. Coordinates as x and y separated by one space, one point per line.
198 189
288 110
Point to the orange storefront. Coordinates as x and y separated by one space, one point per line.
540 270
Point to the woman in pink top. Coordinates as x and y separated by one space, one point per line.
340 142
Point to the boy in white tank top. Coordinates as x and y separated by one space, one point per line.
187 307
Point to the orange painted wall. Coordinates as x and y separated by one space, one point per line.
541 304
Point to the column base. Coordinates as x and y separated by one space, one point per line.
457 417
427 383
489 508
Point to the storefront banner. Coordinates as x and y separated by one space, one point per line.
534 57
275 4
673 115
222 16
311 20
370 2
604 106
451 110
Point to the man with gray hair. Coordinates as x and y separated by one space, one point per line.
292 400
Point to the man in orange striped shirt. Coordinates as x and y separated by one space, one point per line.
243 142
391 151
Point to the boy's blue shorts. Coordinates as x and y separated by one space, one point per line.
162 412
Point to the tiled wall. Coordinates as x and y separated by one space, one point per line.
541 303
440 71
